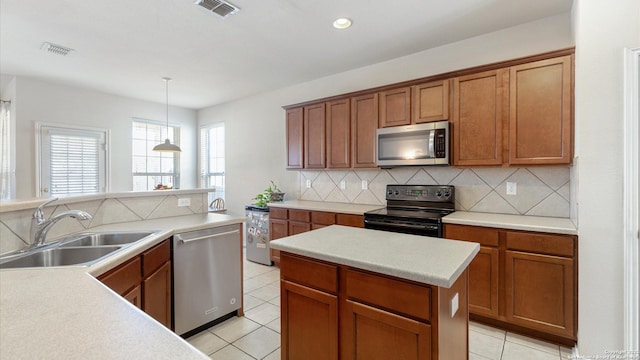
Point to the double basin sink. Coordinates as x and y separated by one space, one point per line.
74 250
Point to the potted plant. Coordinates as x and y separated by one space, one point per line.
271 194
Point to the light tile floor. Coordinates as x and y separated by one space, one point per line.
257 334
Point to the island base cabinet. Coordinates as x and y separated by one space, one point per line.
309 323
371 333
331 311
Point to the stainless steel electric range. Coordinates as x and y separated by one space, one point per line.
413 209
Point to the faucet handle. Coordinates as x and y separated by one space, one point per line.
39 213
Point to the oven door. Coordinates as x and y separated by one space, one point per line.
400 225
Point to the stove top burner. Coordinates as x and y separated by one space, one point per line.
414 209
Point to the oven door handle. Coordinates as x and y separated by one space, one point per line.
408 226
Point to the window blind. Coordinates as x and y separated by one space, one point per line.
73 161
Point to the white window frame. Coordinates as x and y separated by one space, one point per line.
176 156
204 163
42 152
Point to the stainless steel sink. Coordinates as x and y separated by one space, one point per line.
59 257
73 250
102 239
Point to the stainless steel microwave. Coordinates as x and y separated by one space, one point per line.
421 144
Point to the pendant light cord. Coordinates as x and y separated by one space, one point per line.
166 79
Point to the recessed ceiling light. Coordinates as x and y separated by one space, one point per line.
342 23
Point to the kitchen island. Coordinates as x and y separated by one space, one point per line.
358 293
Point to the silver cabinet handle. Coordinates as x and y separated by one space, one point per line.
207 236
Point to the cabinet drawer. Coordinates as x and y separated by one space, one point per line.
124 277
278 213
323 218
308 272
392 295
153 258
561 245
300 215
350 220
484 236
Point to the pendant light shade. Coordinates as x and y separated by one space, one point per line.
167 146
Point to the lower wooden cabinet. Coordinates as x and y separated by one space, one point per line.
157 294
524 281
145 281
332 311
309 323
540 292
377 334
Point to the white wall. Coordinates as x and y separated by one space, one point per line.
602 30
40 101
255 126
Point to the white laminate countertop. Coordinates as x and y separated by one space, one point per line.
428 260
344 208
513 222
66 313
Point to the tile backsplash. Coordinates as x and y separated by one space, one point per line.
541 191
15 225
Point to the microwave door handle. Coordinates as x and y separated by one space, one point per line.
432 150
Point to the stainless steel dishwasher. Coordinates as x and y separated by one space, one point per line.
206 276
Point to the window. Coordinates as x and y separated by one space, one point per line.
72 160
152 168
7 176
212 159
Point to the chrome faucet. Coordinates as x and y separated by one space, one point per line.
40 226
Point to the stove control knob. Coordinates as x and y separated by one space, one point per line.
438 193
396 193
389 192
447 193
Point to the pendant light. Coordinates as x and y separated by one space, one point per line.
167 146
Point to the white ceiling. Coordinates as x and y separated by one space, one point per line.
125 47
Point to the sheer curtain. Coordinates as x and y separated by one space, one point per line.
6 182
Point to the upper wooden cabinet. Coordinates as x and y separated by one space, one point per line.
395 107
364 122
431 101
314 136
479 103
338 134
540 116
295 136
513 113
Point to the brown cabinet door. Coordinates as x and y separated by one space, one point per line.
540 292
309 323
134 296
338 134
314 136
540 118
479 103
484 275
395 107
298 227
364 122
483 282
371 333
431 101
278 228
350 220
157 295
124 277
295 136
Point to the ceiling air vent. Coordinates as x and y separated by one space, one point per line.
218 7
55 49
